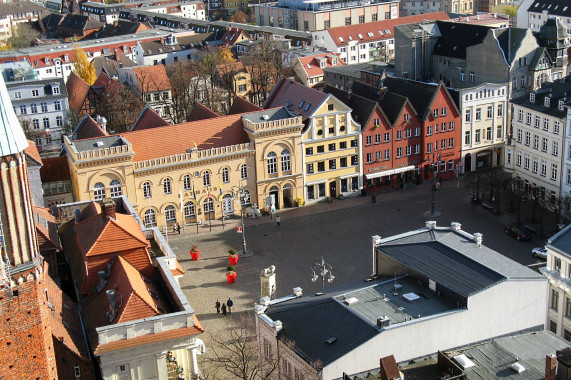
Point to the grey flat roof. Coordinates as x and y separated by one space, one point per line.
562 241
493 359
272 115
91 144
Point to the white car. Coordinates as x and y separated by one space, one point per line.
540 252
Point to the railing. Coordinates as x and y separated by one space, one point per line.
274 124
104 152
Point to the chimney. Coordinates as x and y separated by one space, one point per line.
112 303
456 226
478 239
431 224
550 367
108 208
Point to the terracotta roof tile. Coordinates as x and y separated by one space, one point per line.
32 152
55 169
77 90
88 128
360 32
46 225
177 139
298 98
178 271
149 118
201 112
311 65
236 67
232 35
152 78
389 367
241 105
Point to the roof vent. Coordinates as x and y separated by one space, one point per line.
431 224
331 340
464 361
517 367
478 238
456 226
99 143
383 322
351 301
265 301
266 117
297 291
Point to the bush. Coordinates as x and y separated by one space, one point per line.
232 252
230 268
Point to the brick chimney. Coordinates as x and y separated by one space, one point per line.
550 366
108 208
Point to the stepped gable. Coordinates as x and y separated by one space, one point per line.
149 118
241 105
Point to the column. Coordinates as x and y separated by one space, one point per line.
162 370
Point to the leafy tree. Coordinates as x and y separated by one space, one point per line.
511 11
265 67
239 17
22 35
186 85
82 67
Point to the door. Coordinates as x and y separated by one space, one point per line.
468 163
274 192
332 189
227 205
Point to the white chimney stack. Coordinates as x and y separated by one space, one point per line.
456 226
478 238
431 224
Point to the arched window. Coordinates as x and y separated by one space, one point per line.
167 186
189 210
115 188
208 206
187 183
272 163
206 178
147 189
286 163
243 171
98 191
225 176
150 218
170 214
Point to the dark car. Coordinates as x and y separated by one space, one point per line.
518 232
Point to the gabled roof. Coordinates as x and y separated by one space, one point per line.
231 36
149 118
241 105
233 67
455 38
123 27
88 128
110 63
152 78
32 152
553 7
391 104
79 23
201 112
299 99
377 30
77 90
314 65
54 169
45 224
363 109
179 138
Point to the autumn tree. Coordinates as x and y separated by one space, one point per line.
239 17
265 67
206 66
82 67
121 107
186 89
22 35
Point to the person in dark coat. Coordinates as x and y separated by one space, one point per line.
217 306
229 303
223 309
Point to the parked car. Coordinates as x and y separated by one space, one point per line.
540 252
518 232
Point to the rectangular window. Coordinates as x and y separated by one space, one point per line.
429 130
378 138
451 142
369 140
408 133
543 171
468 116
443 127
435 112
387 154
399 135
545 124
408 150
526 161
527 138
332 164
535 165
343 162
537 122
429 148
417 131
309 168
477 136
528 118
544 144
320 148
567 307
478 114
321 166
353 143
555 150
387 137
35 93
309 151
343 145
467 138
417 149
500 110
472 76
553 327
490 112
369 158
399 152
520 116
518 158
354 160
556 126
347 20
554 172
321 190
489 134
554 299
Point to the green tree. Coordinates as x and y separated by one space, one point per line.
82 67
511 11
22 36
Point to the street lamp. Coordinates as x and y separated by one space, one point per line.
243 197
325 271
434 165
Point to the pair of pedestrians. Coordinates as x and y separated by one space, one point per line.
226 307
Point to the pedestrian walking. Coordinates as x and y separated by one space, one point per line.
229 303
278 220
177 228
223 309
217 306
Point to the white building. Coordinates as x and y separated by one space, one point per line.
484 111
178 47
566 182
41 107
558 272
14 13
536 150
533 14
449 290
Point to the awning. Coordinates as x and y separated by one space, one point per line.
390 172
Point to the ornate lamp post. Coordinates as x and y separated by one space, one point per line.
243 197
325 271
434 166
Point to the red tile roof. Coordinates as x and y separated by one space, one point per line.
45 225
178 271
233 35
149 118
55 169
312 64
201 112
152 78
241 105
88 128
360 32
77 90
64 319
32 152
235 67
389 367
177 139
299 99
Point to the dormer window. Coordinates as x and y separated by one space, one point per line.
334 61
322 64
532 97
341 39
360 35
560 105
547 101
301 104
307 106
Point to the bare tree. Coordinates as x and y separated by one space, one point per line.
121 107
265 67
22 35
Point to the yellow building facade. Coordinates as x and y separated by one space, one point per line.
332 151
192 172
